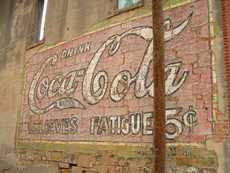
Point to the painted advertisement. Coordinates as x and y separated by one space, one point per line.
99 87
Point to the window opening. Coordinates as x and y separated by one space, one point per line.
123 4
41 17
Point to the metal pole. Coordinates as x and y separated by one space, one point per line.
159 88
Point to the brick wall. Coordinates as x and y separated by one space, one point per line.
89 101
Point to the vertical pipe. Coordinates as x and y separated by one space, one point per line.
159 88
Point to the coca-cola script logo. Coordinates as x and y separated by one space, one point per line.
95 85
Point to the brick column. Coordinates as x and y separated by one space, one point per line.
225 12
222 127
